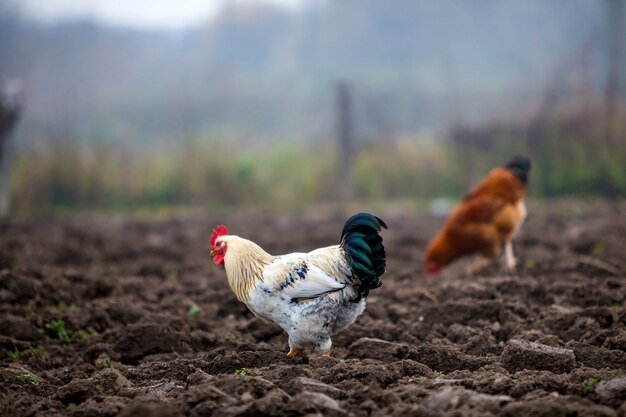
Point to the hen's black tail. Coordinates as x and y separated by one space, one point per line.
361 240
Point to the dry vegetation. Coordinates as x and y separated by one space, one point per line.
571 157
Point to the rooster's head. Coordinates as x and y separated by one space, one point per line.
218 246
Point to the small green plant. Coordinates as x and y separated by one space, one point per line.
243 372
590 384
56 328
193 311
194 333
529 264
63 306
82 334
30 308
36 352
597 249
14 354
29 378
108 364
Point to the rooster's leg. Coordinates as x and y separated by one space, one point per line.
294 351
509 258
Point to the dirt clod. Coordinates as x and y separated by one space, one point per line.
523 354
613 390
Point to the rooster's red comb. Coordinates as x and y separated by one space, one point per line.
217 232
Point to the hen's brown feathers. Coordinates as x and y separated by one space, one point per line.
485 219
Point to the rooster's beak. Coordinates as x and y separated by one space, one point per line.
212 253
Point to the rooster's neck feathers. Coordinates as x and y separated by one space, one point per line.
244 262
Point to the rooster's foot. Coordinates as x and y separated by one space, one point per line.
293 352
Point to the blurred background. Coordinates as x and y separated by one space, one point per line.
283 104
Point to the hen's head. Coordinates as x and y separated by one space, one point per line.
520 167
218 246
431 268
439 254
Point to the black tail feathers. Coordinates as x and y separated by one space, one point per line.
361 240
520 167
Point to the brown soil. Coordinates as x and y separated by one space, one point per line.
548 340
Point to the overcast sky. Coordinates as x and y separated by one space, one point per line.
154 14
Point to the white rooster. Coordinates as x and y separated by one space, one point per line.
310 295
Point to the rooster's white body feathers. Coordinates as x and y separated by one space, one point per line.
310 295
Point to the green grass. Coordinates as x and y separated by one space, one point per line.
193 311
56 328
14 354
30 308
62 305
35 352
590 384
85 334
597 248
243 372
28 378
